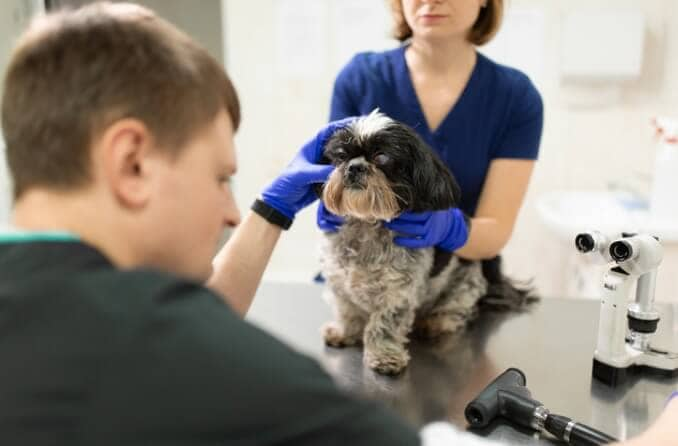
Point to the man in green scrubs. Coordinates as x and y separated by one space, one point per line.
119 134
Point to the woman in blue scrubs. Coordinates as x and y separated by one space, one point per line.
483 119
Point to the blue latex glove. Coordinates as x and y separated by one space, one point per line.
328 221
292 190
446 229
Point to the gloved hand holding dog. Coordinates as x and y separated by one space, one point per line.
447 229
327 221
293 190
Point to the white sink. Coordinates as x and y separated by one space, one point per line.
567 213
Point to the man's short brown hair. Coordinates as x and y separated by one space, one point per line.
74 73
485 27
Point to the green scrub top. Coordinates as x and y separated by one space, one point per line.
93 355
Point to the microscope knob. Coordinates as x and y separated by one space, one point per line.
642 325
621 250
585 242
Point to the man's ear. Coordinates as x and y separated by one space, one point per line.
124 150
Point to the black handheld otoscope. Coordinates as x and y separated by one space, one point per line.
508 397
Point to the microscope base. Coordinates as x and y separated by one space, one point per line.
612 376
615 376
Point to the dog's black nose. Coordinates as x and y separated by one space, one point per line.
354 176
357 169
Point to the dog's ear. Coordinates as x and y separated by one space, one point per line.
434 187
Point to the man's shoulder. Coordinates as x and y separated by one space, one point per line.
106 301
139 295
143 285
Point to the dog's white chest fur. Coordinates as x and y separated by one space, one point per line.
380 292
363 265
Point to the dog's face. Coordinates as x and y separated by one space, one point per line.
384 168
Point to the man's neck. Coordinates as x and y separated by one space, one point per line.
78 213
39 210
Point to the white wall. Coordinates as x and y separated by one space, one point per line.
583 147
282 108
201 20
283 61
14 15
593 147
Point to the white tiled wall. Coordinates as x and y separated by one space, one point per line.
586 146
14 15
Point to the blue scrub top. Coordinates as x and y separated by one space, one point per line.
498 115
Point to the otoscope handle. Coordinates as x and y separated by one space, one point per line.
576 434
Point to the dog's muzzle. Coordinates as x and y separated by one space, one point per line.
355 176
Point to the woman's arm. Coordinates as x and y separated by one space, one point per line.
509 174
241 262
500 201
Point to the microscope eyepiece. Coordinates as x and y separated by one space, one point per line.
585 242
621 250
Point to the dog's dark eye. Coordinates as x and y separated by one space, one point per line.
340 155
381 159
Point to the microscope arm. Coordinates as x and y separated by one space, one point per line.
612 326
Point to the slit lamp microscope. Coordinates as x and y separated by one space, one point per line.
631 259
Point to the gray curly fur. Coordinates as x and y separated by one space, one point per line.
381 292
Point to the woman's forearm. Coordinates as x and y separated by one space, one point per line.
498 207
241 262
486 239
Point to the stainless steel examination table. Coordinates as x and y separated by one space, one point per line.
553 344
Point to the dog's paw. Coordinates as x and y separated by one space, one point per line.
334 336
391 362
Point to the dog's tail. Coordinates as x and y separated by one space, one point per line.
504 293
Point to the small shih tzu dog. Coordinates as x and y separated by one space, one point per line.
382 292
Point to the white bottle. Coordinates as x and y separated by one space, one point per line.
664 198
